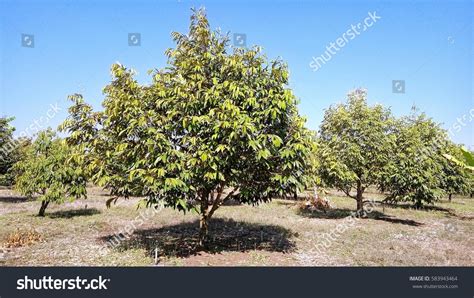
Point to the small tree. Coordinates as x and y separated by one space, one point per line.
355 142
415 170
212 126
45 171
7 149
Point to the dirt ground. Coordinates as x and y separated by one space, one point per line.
86 233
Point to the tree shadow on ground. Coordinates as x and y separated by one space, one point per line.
15 199
412 207
231 203
448 211
286 203
339 213
335 213
73 213
224 235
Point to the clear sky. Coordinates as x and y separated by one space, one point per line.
427 44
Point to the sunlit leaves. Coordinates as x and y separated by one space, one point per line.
212 120
10 150
417 171
356 141
50 171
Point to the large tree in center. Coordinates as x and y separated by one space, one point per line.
355 143
213 125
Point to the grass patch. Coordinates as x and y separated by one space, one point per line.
21 238
272 234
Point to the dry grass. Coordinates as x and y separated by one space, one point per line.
277 233
21 238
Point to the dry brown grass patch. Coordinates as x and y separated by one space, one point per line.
21 238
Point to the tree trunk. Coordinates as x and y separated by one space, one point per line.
295 195
203 229
359 199
360 205
204 221
418 204
44 205
450 195
209 204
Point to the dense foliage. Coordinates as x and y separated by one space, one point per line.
212 126
466 160
8 150
415 171
455 179
46 171
356 143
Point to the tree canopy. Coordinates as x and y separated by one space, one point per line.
415 171
355 144
7 149
455 179
213 125
45 171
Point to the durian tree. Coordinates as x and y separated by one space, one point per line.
46 172
354 145
216 124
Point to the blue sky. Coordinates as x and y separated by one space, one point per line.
429 45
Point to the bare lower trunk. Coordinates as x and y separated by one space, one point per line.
203 229
359 197
209 204
360 205
44 205
204 221
450 196
418 204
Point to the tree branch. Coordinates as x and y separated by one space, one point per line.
230 194
218 202
348 193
